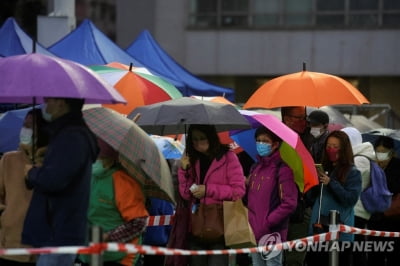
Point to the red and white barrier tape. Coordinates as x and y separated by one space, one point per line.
166 220
367 232
153 250
160 220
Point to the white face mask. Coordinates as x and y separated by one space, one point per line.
46 116
25 136
382 156
315 131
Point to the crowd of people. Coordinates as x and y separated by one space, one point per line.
64 179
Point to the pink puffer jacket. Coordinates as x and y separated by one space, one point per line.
224 180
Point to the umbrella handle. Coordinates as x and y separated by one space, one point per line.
34 128
136 117
320 202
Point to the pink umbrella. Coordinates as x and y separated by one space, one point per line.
292 150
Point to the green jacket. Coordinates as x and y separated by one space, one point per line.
103 210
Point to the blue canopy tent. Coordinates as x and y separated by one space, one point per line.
14 41
146 50
89 46
10 126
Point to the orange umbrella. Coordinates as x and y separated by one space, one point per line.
305 88
138 86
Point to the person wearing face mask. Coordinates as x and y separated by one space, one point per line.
14 196
210 173
117 205
271 193
341 185
318 121
61 184
295 117
388 220
363 152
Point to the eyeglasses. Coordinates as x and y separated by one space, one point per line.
296 117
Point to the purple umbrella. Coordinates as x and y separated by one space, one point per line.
30 77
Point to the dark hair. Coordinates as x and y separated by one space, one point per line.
346 157
74 104
264 130
384 141
286 110
216 148
40 125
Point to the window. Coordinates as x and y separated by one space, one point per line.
330 13
294 13
266 13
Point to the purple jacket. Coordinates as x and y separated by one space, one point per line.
224 180
272 196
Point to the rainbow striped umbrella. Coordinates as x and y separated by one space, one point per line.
136 84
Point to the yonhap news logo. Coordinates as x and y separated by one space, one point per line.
356 246
272 240
267 240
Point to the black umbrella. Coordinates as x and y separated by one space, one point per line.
373 135
173 116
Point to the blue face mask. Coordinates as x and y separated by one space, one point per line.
263 149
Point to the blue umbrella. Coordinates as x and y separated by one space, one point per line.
170 148
10 126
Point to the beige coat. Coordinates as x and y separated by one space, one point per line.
14 202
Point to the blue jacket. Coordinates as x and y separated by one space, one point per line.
57 214
340 197
158 235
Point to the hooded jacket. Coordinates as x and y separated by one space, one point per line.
362 151
271 195
57 214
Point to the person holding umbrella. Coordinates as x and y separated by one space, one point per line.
271 195
117 205
363 152
61 185
295 117
14 196
340 188
210 173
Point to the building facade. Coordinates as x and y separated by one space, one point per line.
243 43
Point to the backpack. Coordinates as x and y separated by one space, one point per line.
376 197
